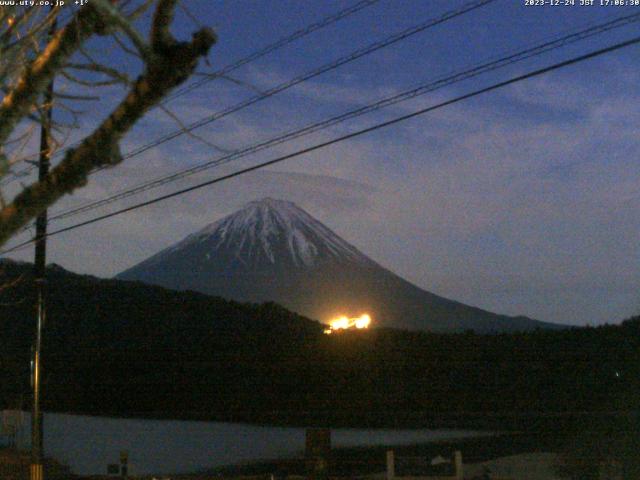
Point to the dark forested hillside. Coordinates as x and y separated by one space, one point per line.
124 348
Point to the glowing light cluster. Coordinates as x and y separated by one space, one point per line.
346 323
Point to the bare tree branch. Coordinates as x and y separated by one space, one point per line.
36 76
160 35
114 17
103 69
68 96
139 10
125 48
171 63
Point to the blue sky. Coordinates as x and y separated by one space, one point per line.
522 201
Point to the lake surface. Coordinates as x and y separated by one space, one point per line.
88 444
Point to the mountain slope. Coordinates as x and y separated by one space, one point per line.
271 250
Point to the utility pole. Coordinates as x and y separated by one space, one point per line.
44 162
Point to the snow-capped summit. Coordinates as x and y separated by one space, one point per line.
271 230
265 233
272 250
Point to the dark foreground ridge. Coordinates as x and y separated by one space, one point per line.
128 349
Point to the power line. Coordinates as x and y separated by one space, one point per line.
298 34
406 95
274 46
359 53
342 138
470 6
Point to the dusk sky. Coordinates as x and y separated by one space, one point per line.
522 201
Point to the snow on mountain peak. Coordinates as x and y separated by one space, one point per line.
272 231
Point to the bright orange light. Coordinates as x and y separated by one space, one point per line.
346 323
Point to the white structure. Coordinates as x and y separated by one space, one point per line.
457 468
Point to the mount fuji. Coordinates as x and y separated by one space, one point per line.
272 250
